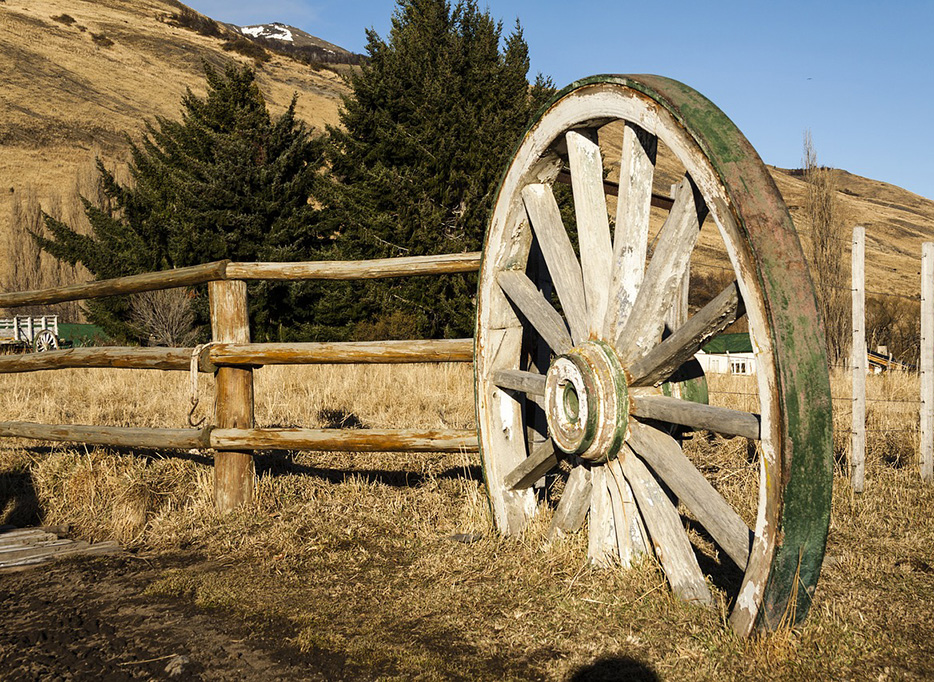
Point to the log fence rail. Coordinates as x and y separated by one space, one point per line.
231 357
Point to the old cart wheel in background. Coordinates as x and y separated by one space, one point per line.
582 328
45 340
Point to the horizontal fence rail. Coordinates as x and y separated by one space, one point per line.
349 352
99 357
111 436
326 440
346 440
244 354
362 269
226 270
133 284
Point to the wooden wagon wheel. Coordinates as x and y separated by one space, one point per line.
45 340
570 360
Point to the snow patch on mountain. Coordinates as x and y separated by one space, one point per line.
276 31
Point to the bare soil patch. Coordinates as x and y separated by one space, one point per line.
94 619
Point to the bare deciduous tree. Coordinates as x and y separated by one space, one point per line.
28 268
166 316
827 258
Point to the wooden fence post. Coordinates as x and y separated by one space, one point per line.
858 354
927 361
233 471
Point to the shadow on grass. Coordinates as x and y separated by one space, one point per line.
281 463
614 669
724 574
19 504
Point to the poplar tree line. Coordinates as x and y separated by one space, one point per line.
425 134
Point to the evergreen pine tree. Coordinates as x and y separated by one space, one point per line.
226 181
433 118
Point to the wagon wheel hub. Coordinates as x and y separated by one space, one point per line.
587 402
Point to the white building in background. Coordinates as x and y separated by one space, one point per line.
728 354
727 363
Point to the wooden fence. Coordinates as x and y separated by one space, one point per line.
231 358
859 361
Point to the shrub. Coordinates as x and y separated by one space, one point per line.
188 18
248 49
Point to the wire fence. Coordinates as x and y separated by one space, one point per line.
889 408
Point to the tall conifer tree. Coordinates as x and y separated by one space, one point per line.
426 135
226 181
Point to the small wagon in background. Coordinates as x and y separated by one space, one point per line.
24 332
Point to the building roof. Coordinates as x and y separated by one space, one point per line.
729 343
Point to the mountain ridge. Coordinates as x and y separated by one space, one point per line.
80 78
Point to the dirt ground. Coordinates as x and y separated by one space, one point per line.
89 619
93 619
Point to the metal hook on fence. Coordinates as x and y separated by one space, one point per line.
193 384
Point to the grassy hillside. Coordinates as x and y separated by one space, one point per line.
78 77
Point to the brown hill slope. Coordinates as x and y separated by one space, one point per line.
77 77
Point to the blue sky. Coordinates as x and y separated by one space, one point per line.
859 75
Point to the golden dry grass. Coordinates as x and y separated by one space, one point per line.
351 555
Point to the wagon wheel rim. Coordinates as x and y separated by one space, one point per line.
45 341
594 401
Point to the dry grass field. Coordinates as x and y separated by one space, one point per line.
351 559
386 566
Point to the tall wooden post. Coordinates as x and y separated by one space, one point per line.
927 361
858 439
233 471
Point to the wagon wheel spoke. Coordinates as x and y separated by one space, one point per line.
540 461
666 532
539 312
593 225
663 454
664 273
720 420
575 501
634 202
602 542
565 271
519 380
659 363
630 529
